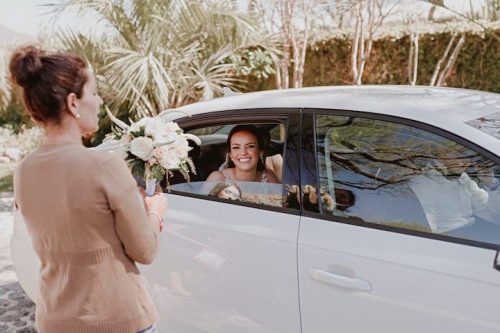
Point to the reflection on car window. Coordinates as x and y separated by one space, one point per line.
401 176
217 168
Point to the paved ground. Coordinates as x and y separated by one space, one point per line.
17 312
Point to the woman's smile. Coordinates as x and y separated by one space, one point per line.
244 151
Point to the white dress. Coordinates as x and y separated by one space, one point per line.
448 204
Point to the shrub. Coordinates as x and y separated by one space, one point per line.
14 146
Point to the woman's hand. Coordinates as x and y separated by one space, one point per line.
155 205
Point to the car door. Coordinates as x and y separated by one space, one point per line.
403 233
229 266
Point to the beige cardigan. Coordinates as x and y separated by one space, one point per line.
88 226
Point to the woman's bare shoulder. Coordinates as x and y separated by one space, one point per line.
215 176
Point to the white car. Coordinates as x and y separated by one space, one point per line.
387 218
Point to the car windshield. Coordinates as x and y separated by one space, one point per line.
489 124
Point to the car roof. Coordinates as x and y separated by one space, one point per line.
446 108
415 102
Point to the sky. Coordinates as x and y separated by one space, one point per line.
27 16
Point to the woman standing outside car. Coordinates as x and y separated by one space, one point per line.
87 221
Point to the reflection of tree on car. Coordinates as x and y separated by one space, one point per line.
384 154
487 179
405 166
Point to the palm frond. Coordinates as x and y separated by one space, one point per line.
5 86
164 53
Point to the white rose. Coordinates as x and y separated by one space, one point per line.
159 152
169 138
142 147
170 160
155 127
180 147
171 127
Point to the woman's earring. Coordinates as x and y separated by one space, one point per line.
77 115
262 159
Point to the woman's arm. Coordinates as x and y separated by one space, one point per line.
271 177
139 233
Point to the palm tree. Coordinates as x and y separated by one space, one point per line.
5 87
164 53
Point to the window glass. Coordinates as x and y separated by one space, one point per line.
249 172
401 176
207 130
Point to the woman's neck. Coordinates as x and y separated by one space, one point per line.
65 132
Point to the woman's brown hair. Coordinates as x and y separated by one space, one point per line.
47 80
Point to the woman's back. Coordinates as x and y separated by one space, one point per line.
88 227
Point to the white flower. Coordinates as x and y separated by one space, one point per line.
171 127
136 127
170 161
180 148
159 152
193 138
155 127
161 143
142 147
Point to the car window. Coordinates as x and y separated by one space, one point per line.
207 130
211 157
401 176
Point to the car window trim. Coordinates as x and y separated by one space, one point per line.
308 166
412 123
225 117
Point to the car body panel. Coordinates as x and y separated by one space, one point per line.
416 284
226 259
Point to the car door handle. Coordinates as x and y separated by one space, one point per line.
340 280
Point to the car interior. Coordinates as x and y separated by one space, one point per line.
211 154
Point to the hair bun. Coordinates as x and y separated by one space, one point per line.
25 65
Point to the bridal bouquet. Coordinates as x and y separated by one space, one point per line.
153 148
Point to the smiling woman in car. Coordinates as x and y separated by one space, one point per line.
245 158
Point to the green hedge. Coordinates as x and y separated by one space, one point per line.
328 63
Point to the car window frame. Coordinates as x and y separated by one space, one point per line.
240 116
355 221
